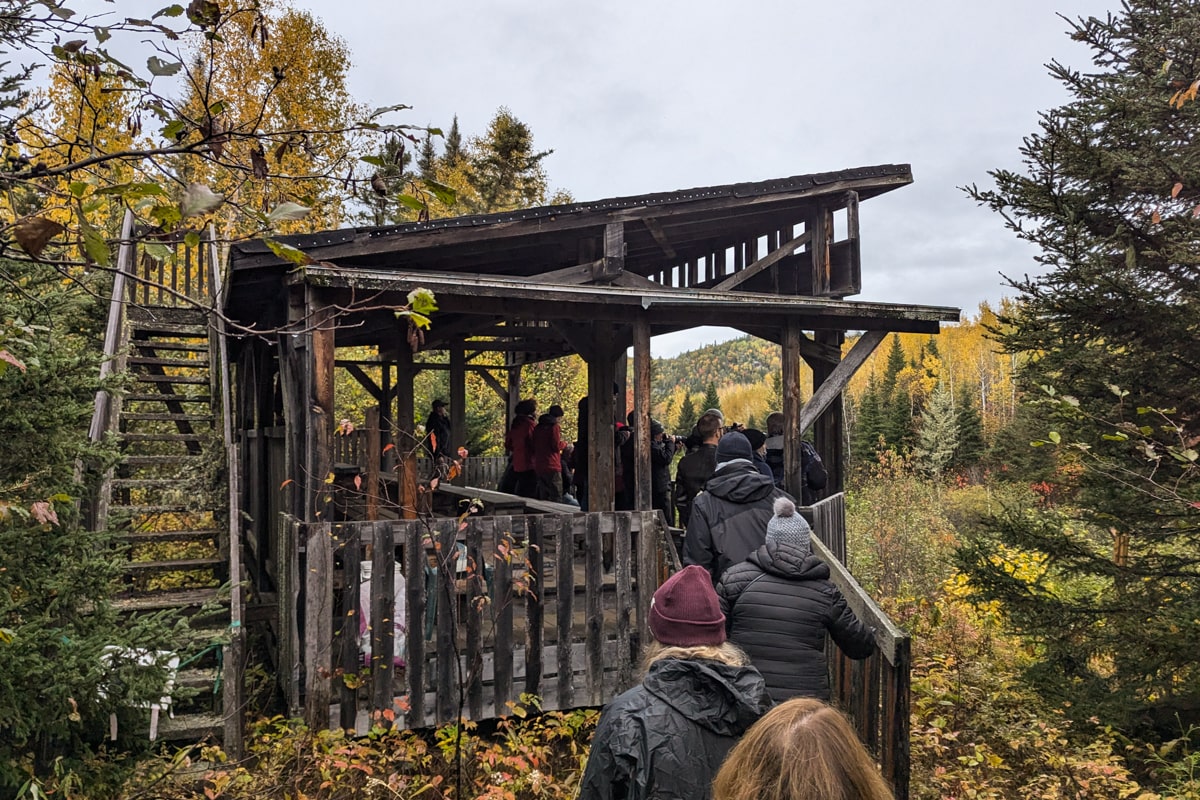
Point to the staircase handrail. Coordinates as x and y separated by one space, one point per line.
114 333
235 650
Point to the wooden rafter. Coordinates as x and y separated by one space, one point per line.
763 263
837 381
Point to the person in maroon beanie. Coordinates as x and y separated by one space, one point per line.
667 736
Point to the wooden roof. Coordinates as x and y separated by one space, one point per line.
682 255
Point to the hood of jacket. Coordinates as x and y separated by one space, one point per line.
739 482
725 699
787 560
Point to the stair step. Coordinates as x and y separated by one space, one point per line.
196 380
167 397
169 329
179 598
150 461
145 483
196 678
177 565
197 346
159 361
191 727
163 508
154 537
137 415
162 437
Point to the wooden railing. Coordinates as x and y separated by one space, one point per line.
481 471
874 692
553 605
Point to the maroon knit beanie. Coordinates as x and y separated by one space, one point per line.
685 611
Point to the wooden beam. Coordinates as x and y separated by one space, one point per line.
491 381
635 281
320 407
579 336
840 377
614 253
763 263
820 225
600 451
405 440
578 274
660 236
364 380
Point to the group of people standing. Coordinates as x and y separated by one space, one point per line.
739 629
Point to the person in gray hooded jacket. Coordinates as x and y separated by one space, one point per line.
779 603
729 518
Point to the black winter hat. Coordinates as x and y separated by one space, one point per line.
733 445
756 438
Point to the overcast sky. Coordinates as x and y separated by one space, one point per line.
665 95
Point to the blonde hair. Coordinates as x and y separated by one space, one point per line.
800 750
726 653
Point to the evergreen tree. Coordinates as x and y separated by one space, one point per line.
687 417
711 400
1108 194
937 438
868 425
505 170
971 446
453 152
776 391
427 158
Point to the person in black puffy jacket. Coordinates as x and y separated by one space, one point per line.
666 737
729 518
779 603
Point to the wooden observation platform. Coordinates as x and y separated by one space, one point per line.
551 602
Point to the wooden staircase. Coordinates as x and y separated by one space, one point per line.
169 499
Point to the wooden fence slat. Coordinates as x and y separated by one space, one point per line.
383 610
414 566
897 732
288 559
476 597
647 575
623 580
503 664
447 629
534 619
594 610
564 574
318 624
350 620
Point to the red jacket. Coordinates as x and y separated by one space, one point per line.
547 446
519 442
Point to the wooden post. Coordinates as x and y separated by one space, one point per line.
820 223
405 440
535 599
458 405
513 387
318 625
414 566
320 409
791 409
383 609
641 402
564 554
829 429
350 616
601 494
373 462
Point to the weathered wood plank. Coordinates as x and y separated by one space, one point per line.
476 598
534 600
350 616
383 610
792 429
565 586
594 610
374 457
503 587
647 575
623 574
288 559
318 624
447 611
414 567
